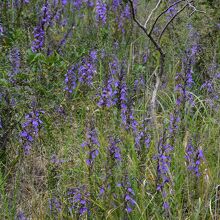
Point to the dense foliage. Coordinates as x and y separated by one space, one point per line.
109 109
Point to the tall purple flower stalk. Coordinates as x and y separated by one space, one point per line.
211 88
101 11
194 158
142 138
39 38
173 123
129 196
108 96
114 150
91 144
82 72
185 77
129 199
78 200
71 79
87 70
55 206
164 161
39 30
123 18
183 89
30 130
163 169
113 159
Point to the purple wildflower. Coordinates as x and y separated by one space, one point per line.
129 197
78 199
55 205
21 216
163 167
127 12
116 4
101 11
108 96
71 79
174 123
142 138
171 12
77 4
185 77
90 3
93 55
208 85
39 35
92 144
39 30
30 129
194 158
87 70
114 150
64 2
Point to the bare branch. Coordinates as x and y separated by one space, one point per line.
169 22
195 9
158 3
144 29
163 12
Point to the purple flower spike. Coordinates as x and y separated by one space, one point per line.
194 159
71 79
114 150
91 144
39 30
30 129
101 11
78 199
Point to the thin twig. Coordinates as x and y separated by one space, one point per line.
195 9
168 23
144 29
163 12
158 3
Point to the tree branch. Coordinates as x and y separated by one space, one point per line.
168 23
144 29
163 12
145 25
